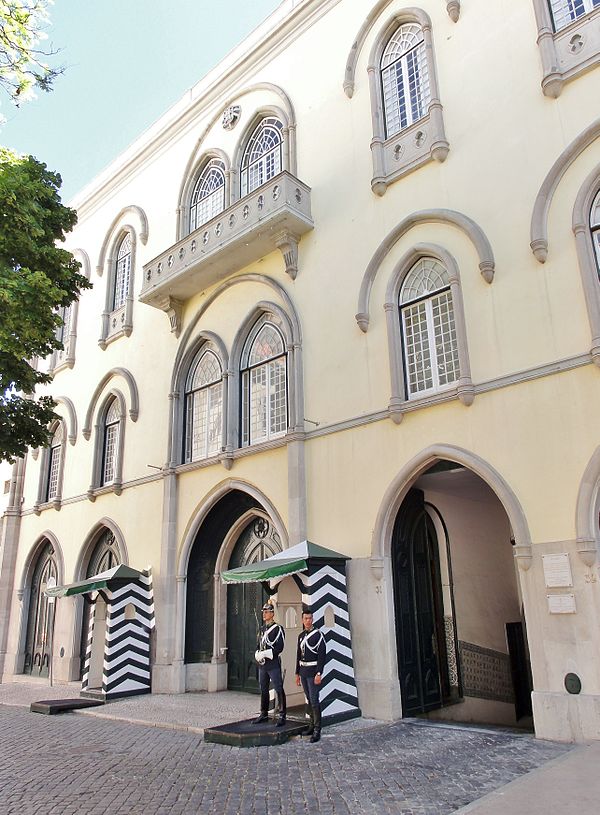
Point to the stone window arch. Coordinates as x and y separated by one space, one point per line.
264 382
595 228
426 330
66 332
117 317
109 445
203 405
52 468
586 228
568 39
406 111
263 154
208 195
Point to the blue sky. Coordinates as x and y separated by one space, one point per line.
126 61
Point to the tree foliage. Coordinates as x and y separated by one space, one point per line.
22 62
37 277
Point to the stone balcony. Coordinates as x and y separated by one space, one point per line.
275 216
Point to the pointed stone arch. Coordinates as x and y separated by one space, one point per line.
587 511
134 404
142 231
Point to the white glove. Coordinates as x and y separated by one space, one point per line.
259 657
268 654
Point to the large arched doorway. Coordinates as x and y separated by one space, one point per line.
105 556
258 541
460 632
40 618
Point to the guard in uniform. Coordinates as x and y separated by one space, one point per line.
310 663
271 639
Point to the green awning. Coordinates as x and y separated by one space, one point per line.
264 570
98 581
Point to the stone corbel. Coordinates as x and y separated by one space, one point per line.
587 551
226 459
523 555
173 309
362 320
453 9
377 566
287 243
487 269
395 409
91 495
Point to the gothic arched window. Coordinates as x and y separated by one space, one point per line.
122 273
262 158
565 12
110 446
204 406
208 196
41 614
264 382
404 78
595 226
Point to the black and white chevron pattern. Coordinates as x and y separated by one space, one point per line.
324 585
127 645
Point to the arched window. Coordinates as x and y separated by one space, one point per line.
122 273
404 78
204 406
262 159
54 463
41 614
110 447
595 225
428 329
208 195
264 382
565 11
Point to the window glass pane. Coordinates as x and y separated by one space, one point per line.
565 11
112 414
417 351
53 471
446 347
262 157
208 196
111 436
205 419
207 370
122 273
595 224
267 344
258 403
277 396
405 78
425 277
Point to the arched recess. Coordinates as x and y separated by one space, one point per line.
134 408
464 385
65 357
178 380
587 255
543 201
82 256
471 229
71 417
289 116
90 541
100 428
396 492
117 222
587 512
189 180
186 339
295 392
45 537
288 161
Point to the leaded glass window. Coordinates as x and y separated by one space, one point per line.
405 78
428 331
111 440
208 195
41 615
262 159
122 273
565 11
204 407
595 227
54 459
264 384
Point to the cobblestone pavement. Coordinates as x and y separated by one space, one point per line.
78 764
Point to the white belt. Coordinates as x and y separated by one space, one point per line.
307 664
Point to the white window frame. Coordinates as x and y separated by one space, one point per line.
212 409
207 200
267 163
413 100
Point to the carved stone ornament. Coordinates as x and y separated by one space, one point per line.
173 309
453 8
287 243
231 117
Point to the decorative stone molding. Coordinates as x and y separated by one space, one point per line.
472 230
523 554
377 567
287 243
173 309
567 53
543 201
359 41
116 485
133 397
118 322
453 9
587 551
231 116
142 232
587 511
587 256
189 183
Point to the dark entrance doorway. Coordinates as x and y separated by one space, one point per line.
244 600
420 638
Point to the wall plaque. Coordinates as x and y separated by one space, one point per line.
557 571
561 603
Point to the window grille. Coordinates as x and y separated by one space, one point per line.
595 227
54 458
262 159
111 439
428 329
204 407
264 384
405 79
565 11
208 195
122 273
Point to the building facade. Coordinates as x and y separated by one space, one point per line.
346 291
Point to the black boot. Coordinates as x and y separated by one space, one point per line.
317 728
264 705
264 717
282 708
310 728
